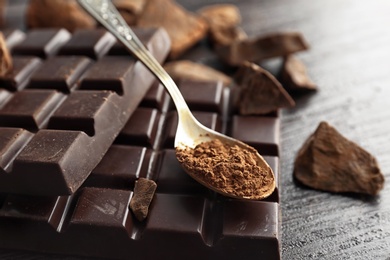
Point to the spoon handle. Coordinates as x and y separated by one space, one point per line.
107 14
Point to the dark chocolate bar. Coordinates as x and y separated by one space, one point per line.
60 110
185 219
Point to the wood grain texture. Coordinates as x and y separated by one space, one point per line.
349 59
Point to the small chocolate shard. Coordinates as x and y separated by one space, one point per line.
5 57
223 20
184 28
262 47
328 161
57 14
142 197
185 69
259 91
130 10
294 75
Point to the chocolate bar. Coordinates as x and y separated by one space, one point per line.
64 104
185 219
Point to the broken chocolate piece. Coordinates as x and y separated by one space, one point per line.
57 14
259 91
330 162
5 57
130 10
142 197
185 69
184 28
223 20
294 75
262 47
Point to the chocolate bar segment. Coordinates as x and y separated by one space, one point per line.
72 129
17 78
87 42
59 73
42 42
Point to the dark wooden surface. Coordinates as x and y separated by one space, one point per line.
349 59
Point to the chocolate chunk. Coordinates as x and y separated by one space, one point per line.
259 91
130 10
142 197
57 14
183 34
42 42
5 57
223 20
262 47
330 162
294 75
185 69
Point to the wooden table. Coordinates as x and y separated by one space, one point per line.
349 59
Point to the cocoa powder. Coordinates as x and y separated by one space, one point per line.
230 169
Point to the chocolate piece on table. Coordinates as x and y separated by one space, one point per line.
60 72
262 47
328 161
42 43
87 42
185 29
71 130
5 57
185 219
188 70
156 97
259 92
57 14
142 197
223 20
294 75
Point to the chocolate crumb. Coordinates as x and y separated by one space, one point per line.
5 57
230 169
183 27
185 69
142 197
262 47
294 75
58 13
259 91
328 161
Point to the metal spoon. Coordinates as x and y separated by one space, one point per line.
190 132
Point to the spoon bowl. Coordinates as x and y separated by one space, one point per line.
190 132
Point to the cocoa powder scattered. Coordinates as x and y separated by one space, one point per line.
230 169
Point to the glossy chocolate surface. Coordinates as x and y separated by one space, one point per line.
71 126
185 220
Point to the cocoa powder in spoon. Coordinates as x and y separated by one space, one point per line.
230 169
